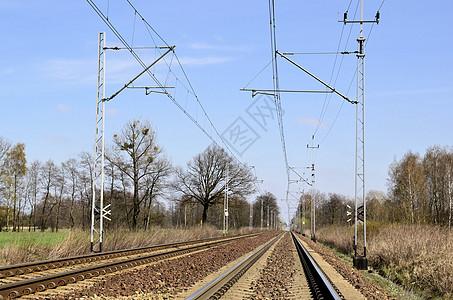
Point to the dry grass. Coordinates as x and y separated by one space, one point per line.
418 257
77 242
338 237
415 256
12 254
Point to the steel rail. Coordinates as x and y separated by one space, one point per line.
38 266
320 284
30 286
219 286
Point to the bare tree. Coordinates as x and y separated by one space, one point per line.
375 209
4 180
70 167
60 190
264 206
86 174
48 175
449 177
155 184
16 167
204 178
33 190
333 210
436 179
136 151
407 187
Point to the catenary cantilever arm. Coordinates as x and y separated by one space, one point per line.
306 71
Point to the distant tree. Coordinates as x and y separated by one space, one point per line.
375 206
239 210
436 180
60 190
4 149
48 176
135 152
70 167
4 182
407 187
304 208
333 210
203 180
16 167
449 187
33 190
155 185
263 206
86 174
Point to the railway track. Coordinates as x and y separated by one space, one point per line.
320 285
304 280
267 266
219 286
29 278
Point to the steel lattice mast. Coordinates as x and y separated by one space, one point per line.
97 206
360 262
99 211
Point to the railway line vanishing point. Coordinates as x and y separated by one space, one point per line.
258 266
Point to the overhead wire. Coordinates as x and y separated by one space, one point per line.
259 73
327 98
276 94
156 80
355 72
337 76
324 108
277 99
190 89
133 29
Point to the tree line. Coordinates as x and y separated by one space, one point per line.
420 191
140 182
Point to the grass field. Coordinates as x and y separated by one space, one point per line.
20 247
417 257
25 239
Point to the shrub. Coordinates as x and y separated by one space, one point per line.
418 257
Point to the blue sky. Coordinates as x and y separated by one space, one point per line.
48 66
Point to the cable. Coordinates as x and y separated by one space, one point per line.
192 90
163 87
133 30
372 25
259 73
381 5
143 19
336 78
324 111
353 77
277 101
310 53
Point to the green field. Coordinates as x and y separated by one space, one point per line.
31 239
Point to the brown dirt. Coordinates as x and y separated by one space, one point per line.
167 278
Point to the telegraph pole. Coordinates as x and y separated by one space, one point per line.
360 262
313 206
